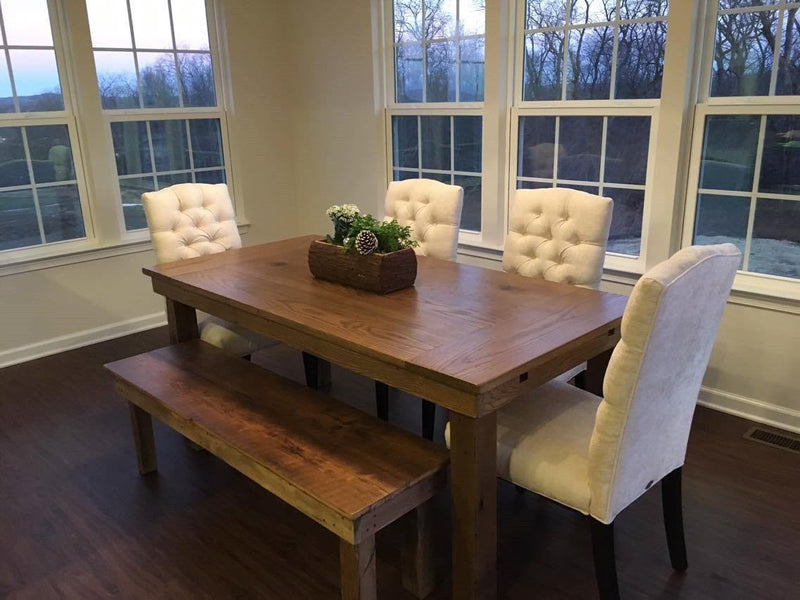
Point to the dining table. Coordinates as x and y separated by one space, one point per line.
467 338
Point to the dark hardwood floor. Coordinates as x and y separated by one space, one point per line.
77 521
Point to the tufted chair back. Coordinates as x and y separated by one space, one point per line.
191 219
558 234
432 209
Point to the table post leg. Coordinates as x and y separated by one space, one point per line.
182 321
596 372
473 465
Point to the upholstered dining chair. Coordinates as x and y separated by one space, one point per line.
558 234
433 211
597 455
187 220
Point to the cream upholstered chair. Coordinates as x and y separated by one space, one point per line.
433 211
558 234
193 219
598 455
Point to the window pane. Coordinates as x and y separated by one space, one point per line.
18 224
403 175
533 185
471 209
435 143
440 19
191 26
61 213
405 143
589 63
788 81
592 11
158 79
215 176
443 177
589 189
36 80
544 13
197 80
407 21
27 22
780 161
206 143
729 152
471 67
721 219
13 166
724 4
543 69
580 139
151 27
131 147
170 145
640 60
51 154
775 248
627 146
132 190
467 136
408 71
109 24
625 236
441 76
169 179
6 95
743 53
537 151
472 15
639 9
116 79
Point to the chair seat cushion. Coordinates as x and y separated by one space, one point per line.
543 442
229 337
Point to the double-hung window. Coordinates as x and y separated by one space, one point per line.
587 92
436 75
42 196
90 122
744 181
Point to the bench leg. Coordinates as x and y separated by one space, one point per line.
318 371
142 426
419 572
357 563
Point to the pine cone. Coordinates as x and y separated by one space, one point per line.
366 242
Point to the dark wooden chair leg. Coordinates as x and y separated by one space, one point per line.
673 519
143 439
382 400
318 371
580 380
605 567
428 419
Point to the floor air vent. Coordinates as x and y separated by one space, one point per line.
785 441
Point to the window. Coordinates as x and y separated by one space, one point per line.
435 122
152 108
606 57
744 184
154 56
40 201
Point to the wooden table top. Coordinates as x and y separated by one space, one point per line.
466 327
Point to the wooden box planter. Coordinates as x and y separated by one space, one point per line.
379 273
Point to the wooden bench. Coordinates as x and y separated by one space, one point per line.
345 469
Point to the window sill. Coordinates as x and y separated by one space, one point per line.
77 252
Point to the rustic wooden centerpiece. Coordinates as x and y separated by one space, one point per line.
376 272
365 253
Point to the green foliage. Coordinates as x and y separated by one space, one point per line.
391 236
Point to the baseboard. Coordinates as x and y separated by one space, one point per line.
749 408
80 338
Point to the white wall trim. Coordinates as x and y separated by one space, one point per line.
81 338
751 409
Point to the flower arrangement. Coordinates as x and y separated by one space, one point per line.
364 233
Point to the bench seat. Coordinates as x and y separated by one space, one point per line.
347 470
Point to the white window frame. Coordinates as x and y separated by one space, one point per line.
93 150
747 282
